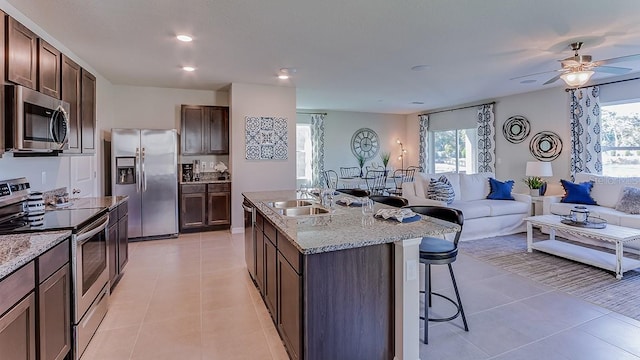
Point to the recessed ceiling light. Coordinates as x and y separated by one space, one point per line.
185 38
283 77
420 67
530 81
417 102
188 68
286 73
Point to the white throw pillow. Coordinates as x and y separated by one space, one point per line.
475 186
630 200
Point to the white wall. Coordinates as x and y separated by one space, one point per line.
258 175
546 110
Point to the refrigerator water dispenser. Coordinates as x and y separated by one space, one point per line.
126 168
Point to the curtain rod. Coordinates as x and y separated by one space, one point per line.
460 108
311 113
606 83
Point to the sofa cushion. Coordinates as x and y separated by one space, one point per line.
473 209
607 189
440 190
507 207
500 190
632 221
629 201
474 186
577 193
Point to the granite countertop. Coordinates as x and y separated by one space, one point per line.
205 182
110 202
17 250
344 228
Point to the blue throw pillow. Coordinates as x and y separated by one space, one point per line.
577 193
500 190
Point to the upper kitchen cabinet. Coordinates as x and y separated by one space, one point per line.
70 92
22 57
3 20
88 112
48 69
205 130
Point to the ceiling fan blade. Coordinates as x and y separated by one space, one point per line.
534 74
552 80
619 59
612 70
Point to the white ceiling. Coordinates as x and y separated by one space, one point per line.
352 55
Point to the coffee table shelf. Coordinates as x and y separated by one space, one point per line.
617 235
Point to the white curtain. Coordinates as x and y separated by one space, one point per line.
584 113
317 149
486 132
423 146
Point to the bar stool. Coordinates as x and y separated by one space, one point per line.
354 192
435 251
395 201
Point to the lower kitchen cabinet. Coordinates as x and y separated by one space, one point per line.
205 206
118 242
289 306
270 276
55 317
18 322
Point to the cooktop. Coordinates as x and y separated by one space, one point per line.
64 219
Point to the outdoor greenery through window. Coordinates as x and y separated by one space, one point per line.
303 152
454 151
620 139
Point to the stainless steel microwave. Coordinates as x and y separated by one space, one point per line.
35 121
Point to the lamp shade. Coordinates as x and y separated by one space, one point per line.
577 78
538 168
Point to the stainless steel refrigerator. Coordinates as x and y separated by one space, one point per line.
144 166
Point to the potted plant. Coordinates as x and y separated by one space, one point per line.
385 156
535 185
361 159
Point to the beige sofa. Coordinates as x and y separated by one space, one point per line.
482 217
606 192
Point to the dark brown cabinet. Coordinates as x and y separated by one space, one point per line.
22 57
205 130
259 236
18 322
289 307
70 91
118 242
48 69
205 206
270 275
3 20
88 112
55 317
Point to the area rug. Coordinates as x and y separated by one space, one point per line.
591 284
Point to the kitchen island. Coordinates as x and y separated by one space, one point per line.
339 285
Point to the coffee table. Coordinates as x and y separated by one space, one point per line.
618 235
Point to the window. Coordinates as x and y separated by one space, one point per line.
453 151
303 152
620 139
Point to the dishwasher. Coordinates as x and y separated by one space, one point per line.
249 240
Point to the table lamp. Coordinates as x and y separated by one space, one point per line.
538 169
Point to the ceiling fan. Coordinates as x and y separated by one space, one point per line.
578 69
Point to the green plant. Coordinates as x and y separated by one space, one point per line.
385 156
533 182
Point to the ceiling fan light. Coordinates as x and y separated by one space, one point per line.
577 78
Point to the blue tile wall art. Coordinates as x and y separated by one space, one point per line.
266 138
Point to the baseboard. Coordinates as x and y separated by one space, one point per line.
237 230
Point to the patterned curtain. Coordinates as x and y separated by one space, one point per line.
317 149
584 111
422 151
486 132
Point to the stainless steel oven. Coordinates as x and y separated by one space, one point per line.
91 277
35 121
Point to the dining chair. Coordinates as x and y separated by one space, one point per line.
439 251
376 181
401 176
350 172
395 201
330 178
416 168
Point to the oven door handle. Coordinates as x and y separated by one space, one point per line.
94 228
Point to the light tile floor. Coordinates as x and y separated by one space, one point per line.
191 298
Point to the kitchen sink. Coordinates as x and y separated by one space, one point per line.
289 204
301 211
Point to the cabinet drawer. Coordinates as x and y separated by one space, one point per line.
113 217
290 253
219 187
16 285
123 209
193 188
53 260
270 232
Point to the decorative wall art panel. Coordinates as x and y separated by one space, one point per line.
266 138
516 129
545 146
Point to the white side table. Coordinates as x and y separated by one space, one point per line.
535 200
